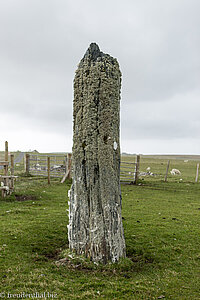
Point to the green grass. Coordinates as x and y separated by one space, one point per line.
161 224
158 165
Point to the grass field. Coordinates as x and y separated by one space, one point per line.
162 229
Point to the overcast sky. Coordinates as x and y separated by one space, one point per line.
156 42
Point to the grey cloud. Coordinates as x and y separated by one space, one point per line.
157 44
175 118
161 130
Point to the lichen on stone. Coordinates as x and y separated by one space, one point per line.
95 224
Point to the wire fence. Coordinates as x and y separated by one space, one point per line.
38 165
132 169
181 168
168 168
128 172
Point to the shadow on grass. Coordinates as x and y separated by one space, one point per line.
19 197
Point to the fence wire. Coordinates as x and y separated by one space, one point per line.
127 171
181 168
38 165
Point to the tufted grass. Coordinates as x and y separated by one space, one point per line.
161 224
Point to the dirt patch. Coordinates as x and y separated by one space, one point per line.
78 265
52 255
25 197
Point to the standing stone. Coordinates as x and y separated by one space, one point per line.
95 223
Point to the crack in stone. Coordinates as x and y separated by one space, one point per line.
95 223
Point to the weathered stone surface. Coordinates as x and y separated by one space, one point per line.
95 224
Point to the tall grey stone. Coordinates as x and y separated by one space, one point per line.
95 223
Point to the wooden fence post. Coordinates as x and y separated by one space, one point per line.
6 151
68 168
197 173
12 164
12 170
69 165
48 168
66 164
167 170
27 164
6 166
137 167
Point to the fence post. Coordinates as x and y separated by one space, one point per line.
27 164
12 170
6 167
48 168
12 164
66 164
197 173
137 167
6 151
69 164
167 170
